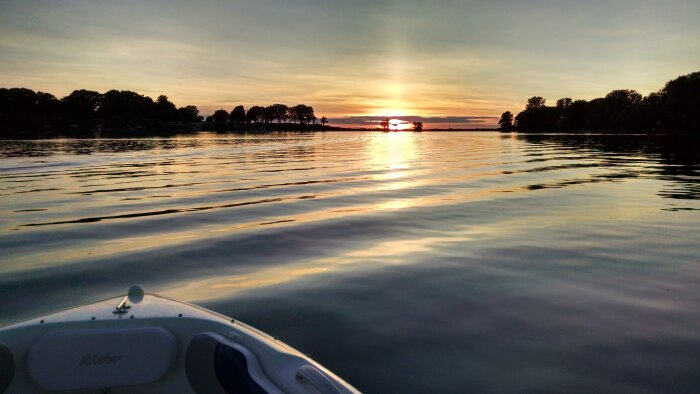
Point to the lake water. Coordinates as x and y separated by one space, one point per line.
404 262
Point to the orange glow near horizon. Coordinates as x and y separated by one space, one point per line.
375 62
396 111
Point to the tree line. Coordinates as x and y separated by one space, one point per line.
300 114
23 110
674 108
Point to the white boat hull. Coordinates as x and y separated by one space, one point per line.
156 346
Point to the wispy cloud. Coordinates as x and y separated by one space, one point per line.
364 57
467 121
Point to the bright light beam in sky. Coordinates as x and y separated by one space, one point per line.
360 58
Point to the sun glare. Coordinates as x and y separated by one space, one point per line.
398 124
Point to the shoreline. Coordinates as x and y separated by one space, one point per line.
167 134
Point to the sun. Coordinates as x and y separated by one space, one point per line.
397 124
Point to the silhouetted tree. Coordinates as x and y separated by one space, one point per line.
278 112
682 102
255 114
268 114
301 114
418 126
537 116
535 102
164 110
188 114
47 106
125 109
324 120
220 116
564 103
22 108
80 106
657 112
617 100
282 113
238 115
598 114
385 124
562 120
506 121
576 116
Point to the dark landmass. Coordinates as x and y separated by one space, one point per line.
263 127
673 109
84 113
89 114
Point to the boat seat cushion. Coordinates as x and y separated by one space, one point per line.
7 368
232 371
100 358
214 365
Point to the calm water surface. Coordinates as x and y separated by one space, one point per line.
407 263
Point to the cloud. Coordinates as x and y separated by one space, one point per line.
346 58
456 120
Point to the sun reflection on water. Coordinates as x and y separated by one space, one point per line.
392 151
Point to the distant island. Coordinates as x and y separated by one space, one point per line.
673 109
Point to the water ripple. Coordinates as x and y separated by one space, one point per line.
569 260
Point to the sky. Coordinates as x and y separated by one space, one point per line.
353 61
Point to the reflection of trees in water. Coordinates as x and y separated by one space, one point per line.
38 148
675 159
34 148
